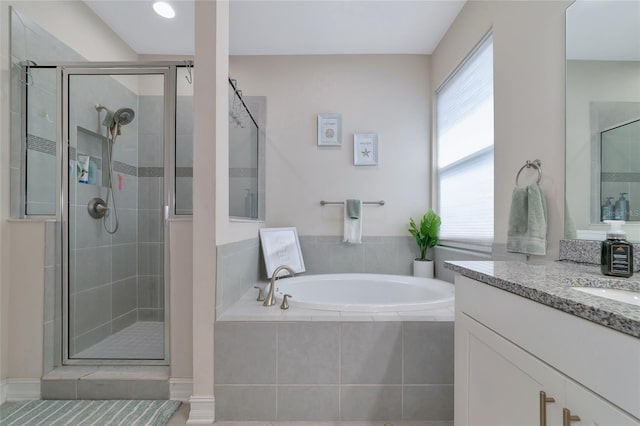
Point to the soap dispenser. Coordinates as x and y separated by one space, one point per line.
608 212
617 253
622 208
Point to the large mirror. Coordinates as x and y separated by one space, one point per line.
602 117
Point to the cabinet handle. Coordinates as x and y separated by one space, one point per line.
544 400
567 418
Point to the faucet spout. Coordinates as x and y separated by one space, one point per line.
271 297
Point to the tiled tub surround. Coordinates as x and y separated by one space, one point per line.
551 283
376 255
588 251
239 268
333 370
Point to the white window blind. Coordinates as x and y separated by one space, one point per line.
464 147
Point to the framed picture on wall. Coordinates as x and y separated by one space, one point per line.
365 149
329 130
280 246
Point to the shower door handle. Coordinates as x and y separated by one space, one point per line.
165 213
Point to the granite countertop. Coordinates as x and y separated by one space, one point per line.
550 284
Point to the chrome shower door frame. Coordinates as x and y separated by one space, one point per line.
168 71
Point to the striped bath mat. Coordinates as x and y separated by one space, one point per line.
87 413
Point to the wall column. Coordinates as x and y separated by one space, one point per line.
210 121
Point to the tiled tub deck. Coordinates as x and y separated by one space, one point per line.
303 365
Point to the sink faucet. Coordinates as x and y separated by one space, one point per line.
271 298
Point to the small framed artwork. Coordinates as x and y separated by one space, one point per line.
365 149
329 129
280 246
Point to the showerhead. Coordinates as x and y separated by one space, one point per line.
123 116
108 117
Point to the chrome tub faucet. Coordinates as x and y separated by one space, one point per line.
271 298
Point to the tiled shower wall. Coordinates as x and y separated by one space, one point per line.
150 214
184 154
103 268
109 287
30 42
52 338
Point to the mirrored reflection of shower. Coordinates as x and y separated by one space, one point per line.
113 121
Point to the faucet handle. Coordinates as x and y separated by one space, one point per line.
285 304
260 293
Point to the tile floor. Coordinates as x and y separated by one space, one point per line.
181 416
141 340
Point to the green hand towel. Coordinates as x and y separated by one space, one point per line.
353 209
527 231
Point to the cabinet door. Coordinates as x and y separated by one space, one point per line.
593 410
503 382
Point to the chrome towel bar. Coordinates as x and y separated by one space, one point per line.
324 203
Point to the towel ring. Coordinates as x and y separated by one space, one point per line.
536 164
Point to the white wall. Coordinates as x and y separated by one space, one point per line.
385 94
593 81
528 95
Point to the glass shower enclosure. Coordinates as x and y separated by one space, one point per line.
115 207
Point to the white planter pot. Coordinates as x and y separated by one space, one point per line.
423 268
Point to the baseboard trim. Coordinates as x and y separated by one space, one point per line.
22 389
180 389
203 410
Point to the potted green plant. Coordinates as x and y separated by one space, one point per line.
426 235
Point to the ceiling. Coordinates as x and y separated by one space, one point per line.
290 27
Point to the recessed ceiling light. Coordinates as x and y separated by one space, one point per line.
164 9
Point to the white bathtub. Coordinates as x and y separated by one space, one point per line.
365 292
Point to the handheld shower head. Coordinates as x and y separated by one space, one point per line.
123 116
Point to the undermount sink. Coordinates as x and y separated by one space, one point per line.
626 296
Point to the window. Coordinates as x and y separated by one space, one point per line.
464 147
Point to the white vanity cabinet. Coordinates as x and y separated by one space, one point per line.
510 349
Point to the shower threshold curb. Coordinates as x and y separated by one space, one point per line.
111 372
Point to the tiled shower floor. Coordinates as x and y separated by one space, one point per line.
141 340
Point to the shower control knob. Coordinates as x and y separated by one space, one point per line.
97 208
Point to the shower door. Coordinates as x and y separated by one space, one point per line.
115 128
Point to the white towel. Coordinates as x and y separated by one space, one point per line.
352 227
